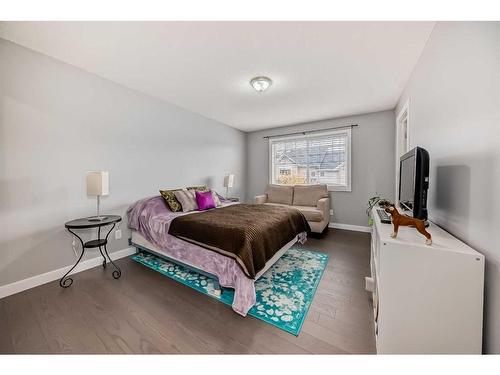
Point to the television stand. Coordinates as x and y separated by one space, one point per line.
426 299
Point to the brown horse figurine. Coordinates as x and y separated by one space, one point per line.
398 219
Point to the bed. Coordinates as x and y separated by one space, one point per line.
175 236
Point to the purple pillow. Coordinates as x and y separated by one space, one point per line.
204 200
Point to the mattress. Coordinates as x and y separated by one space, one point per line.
138 239
149 221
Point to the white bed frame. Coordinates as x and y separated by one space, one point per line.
139 242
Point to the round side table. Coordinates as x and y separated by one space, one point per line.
92 222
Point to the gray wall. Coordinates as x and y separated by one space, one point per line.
372 162
455 114
56 122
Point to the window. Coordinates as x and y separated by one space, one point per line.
314 158
285 171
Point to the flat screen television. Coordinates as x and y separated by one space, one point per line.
414 182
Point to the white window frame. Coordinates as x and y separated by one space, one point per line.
402 118
316 134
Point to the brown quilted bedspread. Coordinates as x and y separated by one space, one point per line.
249 233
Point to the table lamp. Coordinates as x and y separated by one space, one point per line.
97 185
228 183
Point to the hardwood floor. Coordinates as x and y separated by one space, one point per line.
145 312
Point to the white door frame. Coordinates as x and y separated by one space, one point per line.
402 118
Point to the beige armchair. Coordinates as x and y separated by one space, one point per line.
312 200
259 199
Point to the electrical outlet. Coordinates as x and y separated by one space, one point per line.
331 212
118 234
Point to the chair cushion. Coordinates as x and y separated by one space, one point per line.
279 194
309 195
311 213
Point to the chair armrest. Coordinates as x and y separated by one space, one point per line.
259 199
324 205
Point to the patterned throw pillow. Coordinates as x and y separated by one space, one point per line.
187 199
171 200
198 188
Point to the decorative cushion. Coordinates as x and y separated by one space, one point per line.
311 213
198 188
187 199
279 194
309 195
171 200
216 198
204 200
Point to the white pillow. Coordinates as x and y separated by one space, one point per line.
187 199
216 199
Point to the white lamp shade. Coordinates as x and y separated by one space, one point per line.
229 181
97 183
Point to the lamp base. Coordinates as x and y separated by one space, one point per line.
98 217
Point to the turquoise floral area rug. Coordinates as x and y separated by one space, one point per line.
284 292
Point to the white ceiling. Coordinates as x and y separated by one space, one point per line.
319 69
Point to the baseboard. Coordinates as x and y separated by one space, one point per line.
31 282
357 228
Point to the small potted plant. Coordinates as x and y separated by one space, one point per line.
372 202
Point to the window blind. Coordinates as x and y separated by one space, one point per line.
319 158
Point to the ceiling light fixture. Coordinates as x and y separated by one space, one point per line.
261 84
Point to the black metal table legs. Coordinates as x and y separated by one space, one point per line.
117 272
66 281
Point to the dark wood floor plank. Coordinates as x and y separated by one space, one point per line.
57 326
24 327
347 330
250 330
145 312
183 321
126 323
77 325
351 344
6 345
219 326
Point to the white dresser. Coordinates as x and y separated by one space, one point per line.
427 299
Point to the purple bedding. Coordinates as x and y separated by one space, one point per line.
151 218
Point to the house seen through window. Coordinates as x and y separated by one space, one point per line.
312 158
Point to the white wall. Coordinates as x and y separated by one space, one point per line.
56 122
454 95
372 162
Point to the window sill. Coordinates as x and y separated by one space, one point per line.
345 189
340 189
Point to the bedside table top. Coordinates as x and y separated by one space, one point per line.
91 222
